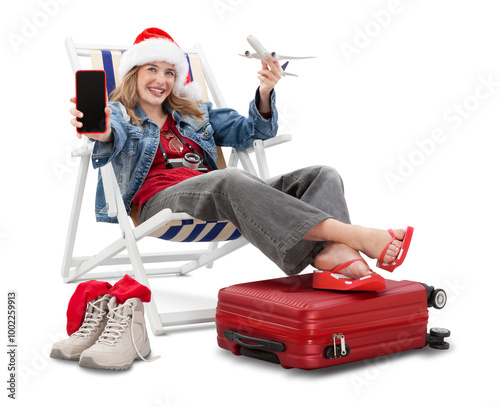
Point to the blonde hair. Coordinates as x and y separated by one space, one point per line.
126 94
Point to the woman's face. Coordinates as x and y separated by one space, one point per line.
154 83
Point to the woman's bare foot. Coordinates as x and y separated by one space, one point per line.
366 240
335 254
373 242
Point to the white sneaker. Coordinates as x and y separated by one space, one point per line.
123 340
90 330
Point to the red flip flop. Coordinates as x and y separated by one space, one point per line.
402 252
334 280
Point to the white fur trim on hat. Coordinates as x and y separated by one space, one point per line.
159 49
192 91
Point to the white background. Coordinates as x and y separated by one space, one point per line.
388 75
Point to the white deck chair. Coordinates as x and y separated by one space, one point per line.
166 225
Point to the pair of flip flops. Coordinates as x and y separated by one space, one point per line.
335 280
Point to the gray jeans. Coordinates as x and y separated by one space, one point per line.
273 215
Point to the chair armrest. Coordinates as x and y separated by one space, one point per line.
259 147
279 139
84 150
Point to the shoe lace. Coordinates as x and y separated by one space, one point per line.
117 323
90 322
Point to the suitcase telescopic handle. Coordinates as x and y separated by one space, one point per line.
262 344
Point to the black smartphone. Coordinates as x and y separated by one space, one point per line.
91 100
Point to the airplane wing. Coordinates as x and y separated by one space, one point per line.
288 57
250 55
278 57
274 58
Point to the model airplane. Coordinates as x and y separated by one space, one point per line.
261 53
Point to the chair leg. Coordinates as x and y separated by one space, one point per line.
211 247
131 246
75 215
94 261
210 257
141 276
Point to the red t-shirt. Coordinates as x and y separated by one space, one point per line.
159 177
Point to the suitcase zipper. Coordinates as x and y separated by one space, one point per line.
338 350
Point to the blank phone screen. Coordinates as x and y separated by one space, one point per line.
91 100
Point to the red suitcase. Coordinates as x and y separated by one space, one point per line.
286 321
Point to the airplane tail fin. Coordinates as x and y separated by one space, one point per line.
283 67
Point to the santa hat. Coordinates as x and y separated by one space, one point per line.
153 45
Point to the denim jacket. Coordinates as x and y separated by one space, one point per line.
134 146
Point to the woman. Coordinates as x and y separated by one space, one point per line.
295 219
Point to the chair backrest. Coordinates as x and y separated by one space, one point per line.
107 58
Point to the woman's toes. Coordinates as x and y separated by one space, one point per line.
392 251
394 248
400 234
357 270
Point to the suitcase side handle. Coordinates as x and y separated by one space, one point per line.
262 344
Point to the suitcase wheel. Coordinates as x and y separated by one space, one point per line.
435 297
438 298
436 336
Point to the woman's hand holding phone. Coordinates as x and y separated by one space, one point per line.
104 137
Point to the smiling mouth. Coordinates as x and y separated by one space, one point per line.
158 92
